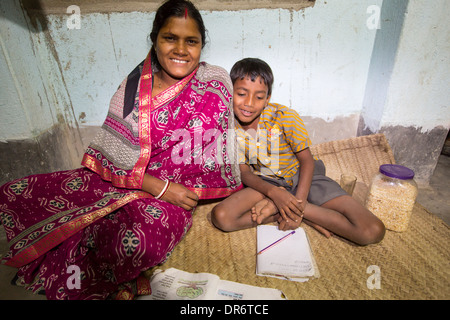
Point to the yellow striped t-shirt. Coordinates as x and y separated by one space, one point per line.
270 151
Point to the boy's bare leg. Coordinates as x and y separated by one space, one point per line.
347 218
325 232
234 212
263 210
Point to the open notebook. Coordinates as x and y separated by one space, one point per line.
291 258
174 284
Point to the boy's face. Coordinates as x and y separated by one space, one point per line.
249 100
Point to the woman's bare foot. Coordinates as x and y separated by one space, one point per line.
263 210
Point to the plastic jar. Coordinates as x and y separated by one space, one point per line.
392 195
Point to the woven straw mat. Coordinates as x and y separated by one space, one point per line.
412 265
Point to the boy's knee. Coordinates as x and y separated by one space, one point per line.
220 219
373 233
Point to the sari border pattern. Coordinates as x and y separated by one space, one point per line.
58 235
214 193
145 101
171 92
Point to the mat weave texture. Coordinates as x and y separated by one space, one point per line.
414 264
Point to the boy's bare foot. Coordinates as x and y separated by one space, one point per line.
256 210
321 229
263 210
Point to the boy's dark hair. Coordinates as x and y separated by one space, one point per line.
253 68
175 8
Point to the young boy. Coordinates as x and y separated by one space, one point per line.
284 183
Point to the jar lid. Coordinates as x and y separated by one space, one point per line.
397 171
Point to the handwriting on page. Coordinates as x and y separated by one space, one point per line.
296 266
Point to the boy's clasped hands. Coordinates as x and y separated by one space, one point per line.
283 202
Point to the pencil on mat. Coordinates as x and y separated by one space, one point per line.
276 242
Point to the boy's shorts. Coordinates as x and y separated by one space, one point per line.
322 188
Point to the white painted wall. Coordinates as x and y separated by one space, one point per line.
33 95
419 93
321 58
97 57
22 96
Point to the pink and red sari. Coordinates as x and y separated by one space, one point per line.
88 232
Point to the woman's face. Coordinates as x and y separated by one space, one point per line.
178 47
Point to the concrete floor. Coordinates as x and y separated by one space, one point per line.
435 198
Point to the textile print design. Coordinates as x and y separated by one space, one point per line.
95 219
126 233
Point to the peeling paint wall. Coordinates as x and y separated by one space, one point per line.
24 99
407 93
342 74
324 49
409 73
417 111
37 129
109 6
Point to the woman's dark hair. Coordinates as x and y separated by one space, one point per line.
175 8
253 68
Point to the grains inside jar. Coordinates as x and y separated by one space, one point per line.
392 199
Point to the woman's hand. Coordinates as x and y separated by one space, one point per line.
176 193
181 196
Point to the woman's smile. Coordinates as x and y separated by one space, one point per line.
178 48
179 61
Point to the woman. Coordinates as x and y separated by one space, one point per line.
158 152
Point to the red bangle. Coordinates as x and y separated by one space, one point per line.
163 191
168 185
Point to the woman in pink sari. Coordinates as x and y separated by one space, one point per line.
90 232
